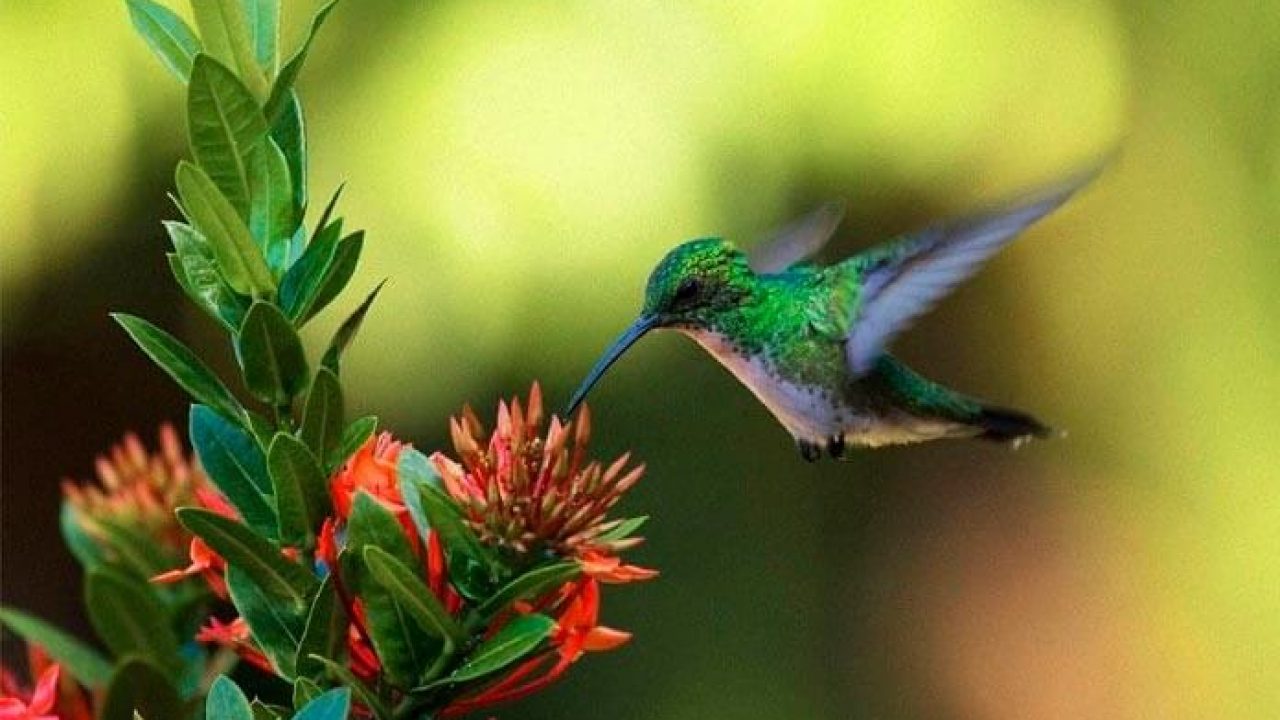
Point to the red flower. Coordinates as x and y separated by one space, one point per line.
372 469
577 632
235 635
39 705
526 493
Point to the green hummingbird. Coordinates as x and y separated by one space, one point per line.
810 341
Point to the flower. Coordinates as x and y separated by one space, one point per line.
37 707
525 493
577 632
371 469
234 635
138 490
56 696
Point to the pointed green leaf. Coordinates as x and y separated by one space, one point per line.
239 259
338 274
289 73
473 569
226 35
83 662
182 365
413 469
409 589
260 560
528 586
514 641
80 543
226 127
622 530
129 618
167 34
272 219
353 438
226 701
276 627
322 415
271 355
304 689
371 523
301 490
302 282
347 331
264 31
289 133
358 688
333 705
139 688
325 632
199 276
263 711
236 465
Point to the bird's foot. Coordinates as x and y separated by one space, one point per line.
810 451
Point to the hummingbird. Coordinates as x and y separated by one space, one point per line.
811 341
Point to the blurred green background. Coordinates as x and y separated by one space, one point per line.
519 167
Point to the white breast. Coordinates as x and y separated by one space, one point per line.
802 410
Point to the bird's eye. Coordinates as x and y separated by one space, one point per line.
688 290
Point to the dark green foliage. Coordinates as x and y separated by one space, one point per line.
236 465
84 663
271 355
130 619
301 490
182 365
141 687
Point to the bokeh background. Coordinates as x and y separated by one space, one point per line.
520 165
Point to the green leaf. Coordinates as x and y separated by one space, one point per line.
226 34
528 586
264 31
301 490
80 543
338 274
169 37
325 632
276 627
289 133
289 73
623 529
333 705
263 711
239 259
182 365
140 689
259 559
347 331
199 276
271 355
302 282
304 689
237 467
353 438
413 470
81 661
129 618
322 415
514 641
272 219
226 701
371 523
226 127
473 568
346 677
132 551
409 589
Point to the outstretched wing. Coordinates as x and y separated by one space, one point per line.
904 278
798 241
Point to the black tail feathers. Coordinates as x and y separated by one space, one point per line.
1004 425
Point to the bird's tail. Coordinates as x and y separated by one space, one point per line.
1004 425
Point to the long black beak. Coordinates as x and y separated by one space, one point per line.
642 325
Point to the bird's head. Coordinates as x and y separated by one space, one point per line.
689 287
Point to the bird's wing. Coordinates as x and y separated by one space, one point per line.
904 278
798 241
